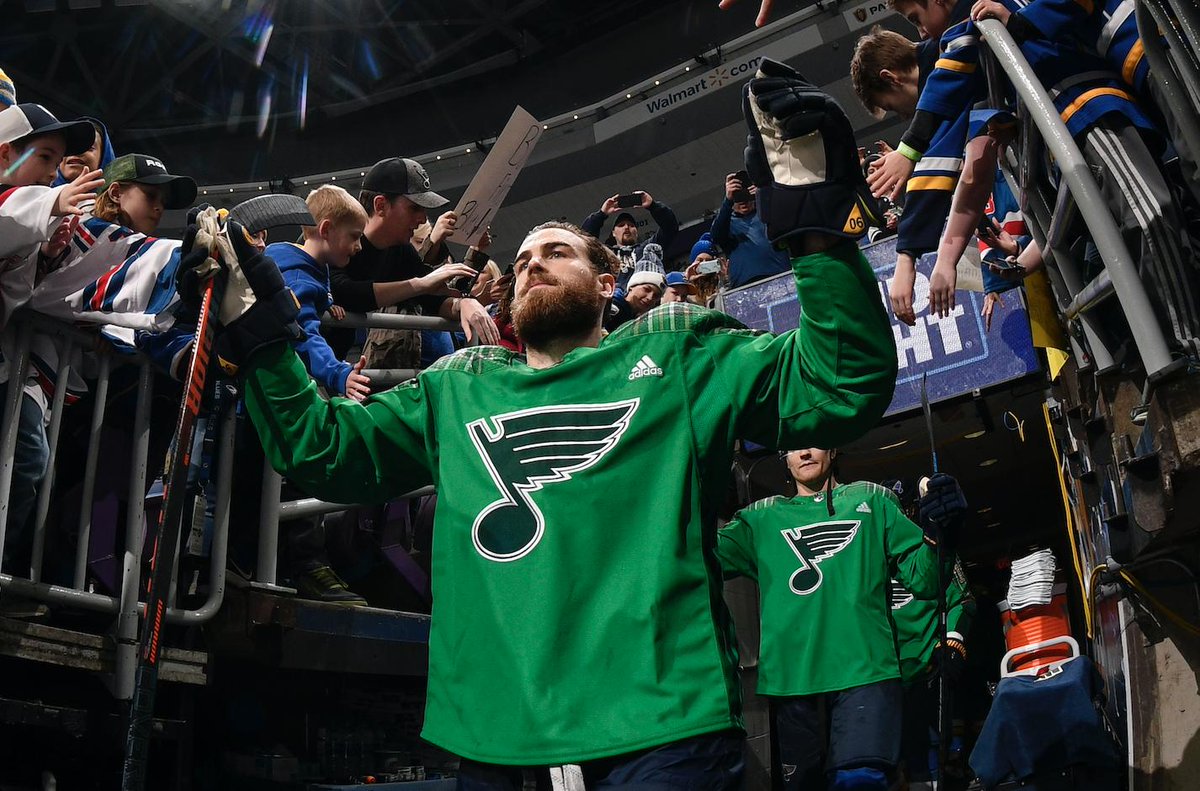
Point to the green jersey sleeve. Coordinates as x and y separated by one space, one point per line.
913 562
338 450
735 548
825 383
960 604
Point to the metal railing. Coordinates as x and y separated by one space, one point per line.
71 344
273 509
1120 277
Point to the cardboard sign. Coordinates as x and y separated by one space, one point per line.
491 184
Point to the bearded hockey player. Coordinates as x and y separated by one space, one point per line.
824 560
562 631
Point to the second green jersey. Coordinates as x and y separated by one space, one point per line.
577 608
916 622
823 582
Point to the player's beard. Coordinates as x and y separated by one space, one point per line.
563 309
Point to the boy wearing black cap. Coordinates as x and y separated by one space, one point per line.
388 270
32 143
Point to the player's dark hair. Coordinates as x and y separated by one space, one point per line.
603 260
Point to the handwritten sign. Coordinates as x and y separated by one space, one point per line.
491 184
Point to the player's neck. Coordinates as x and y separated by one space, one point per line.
814 487
553 352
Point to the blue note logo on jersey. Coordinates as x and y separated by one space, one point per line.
525 451
813 544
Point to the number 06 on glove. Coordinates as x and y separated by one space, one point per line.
801 155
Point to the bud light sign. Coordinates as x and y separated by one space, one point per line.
956 354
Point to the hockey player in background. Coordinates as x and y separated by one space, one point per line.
824 561
922 659
565 631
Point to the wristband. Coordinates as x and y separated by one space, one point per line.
908 152
957 645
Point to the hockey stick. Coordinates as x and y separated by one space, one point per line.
162 556
943 686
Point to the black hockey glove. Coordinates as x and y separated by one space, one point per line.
187 278
943 510
257 308
951 662
800 153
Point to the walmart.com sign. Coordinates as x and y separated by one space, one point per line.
733 72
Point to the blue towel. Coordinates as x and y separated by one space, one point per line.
1039 726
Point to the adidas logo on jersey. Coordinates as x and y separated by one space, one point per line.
644 367
863 508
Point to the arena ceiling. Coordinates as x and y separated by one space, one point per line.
153 67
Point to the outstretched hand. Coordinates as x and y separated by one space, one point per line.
61 237
437 282
941 289
764 10
71 195
477 323
889 175
358 384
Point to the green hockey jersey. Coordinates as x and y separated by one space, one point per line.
824 584
577 598
916 622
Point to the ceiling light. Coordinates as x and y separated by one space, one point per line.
206 192
984 510
545 126
974 434
362 173
333 178
988 462
994 524
231 189
656 82
629 96
306 182
439 156
575 117
260 188
895 445
687 68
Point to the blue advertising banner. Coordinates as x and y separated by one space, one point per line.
955 352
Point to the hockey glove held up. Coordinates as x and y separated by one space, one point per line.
943 510
801 155
255 308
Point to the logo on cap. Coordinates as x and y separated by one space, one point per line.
154 163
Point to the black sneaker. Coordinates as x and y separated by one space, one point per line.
323 584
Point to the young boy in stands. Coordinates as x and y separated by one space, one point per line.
1117 139
335 238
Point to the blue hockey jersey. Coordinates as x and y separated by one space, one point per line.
1108 26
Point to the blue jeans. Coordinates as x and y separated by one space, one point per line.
863 725
710 762
30 461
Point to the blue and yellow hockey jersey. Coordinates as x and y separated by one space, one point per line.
1108 26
